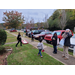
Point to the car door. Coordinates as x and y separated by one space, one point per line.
72 32
60 36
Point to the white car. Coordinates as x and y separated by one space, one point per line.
72 40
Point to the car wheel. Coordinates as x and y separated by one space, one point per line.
48 42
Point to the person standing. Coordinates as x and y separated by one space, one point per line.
19 40
32 36
26 32
54 42
67 35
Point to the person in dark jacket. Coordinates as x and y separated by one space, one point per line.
26 32
54 42
19 40
32 36
67 35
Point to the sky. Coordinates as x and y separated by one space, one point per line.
37 14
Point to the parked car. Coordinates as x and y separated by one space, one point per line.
48 38
72 40
35 32
13 30
42 35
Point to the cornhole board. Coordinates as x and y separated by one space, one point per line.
24 42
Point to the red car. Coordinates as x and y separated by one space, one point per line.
42 35
48 38
13 30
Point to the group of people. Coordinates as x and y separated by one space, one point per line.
67 35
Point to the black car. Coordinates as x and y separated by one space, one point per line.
35 32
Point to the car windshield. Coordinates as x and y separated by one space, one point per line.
42 33
34 31
58 33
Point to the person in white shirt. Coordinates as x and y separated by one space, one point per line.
40 47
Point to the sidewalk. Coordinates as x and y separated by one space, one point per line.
49 51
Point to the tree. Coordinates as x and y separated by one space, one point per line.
13 19
53 21
46 25
55 14
27 22
62 19
71 20
70 24
73 15
32 22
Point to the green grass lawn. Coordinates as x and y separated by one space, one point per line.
27 55
10 38
18 32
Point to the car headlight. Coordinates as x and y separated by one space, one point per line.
36 36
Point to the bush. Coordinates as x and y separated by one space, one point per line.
2 49
3 37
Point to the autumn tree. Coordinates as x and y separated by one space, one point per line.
32 22
13 19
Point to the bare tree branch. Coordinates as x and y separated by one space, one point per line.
63 19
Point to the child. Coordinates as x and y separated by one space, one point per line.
40 47
19 39
54 42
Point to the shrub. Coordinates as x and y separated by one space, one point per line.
3 37
2 49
